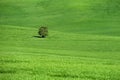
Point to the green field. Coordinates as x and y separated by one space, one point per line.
83 41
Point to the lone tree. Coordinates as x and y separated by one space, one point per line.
43 31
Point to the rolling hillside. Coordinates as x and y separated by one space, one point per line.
81 16
83 41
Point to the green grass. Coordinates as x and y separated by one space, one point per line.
83 41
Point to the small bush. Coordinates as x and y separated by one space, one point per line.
43 32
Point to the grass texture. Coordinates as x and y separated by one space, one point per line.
83 41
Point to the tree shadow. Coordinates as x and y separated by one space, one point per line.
39 36
36 36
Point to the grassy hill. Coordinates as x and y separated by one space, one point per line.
83 41
64 15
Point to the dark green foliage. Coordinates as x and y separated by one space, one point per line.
43 32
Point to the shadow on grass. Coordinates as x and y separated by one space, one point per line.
64 75
13 61
2 71
39 37
36 36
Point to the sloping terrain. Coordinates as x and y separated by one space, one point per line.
71 56
81 16
83 41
